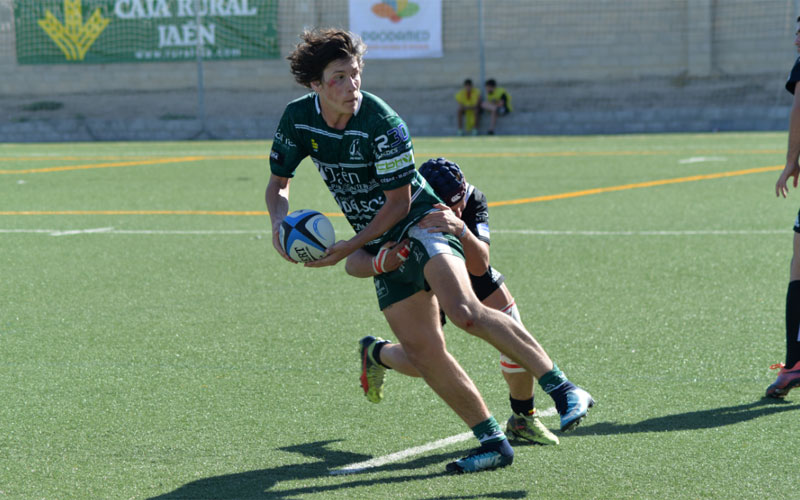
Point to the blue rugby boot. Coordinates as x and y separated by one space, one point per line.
487 457
578 404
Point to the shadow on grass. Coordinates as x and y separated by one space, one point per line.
694 420
258 483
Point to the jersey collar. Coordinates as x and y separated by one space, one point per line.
470 189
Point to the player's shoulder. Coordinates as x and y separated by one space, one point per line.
303 102
476 197
374 107
301 109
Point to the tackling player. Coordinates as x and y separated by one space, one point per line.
465 215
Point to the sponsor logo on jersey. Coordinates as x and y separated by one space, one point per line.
314 145
355 151
390 165
276 156
279 137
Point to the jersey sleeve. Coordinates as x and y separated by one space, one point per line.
287 152
476 216
393 153
794 77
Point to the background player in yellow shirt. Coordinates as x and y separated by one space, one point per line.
498 102
469 105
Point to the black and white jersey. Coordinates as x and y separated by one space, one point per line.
476 217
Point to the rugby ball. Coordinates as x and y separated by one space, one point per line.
305 234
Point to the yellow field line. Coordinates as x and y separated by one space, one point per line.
179 159
77 158
520 201
544 154
638 185
137 212
150 160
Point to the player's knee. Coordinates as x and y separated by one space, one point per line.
465 316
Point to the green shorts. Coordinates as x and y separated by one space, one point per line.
409 278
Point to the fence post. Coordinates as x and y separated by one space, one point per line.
201 105
482 46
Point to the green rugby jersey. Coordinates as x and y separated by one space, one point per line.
371 155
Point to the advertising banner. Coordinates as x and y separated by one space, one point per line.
398 29
110 31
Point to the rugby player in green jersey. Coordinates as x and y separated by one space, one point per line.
364 154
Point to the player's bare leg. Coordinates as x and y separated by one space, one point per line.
447 275
415 322
394 356
520 385
448 278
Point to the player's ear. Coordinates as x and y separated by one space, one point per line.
315 86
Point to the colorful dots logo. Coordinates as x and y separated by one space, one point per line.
395 10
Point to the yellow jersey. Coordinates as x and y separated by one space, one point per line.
499 95
468 100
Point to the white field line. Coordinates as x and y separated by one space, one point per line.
533 232
696 232
701 159
417 450
82 231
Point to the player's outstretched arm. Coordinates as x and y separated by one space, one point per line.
277 198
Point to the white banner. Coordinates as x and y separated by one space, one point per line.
398 29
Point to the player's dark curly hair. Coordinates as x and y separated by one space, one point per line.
318 48
446 178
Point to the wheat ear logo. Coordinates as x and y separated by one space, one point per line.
395 10
74 37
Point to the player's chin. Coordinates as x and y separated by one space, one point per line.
351 104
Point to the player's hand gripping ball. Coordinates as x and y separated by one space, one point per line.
306 234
